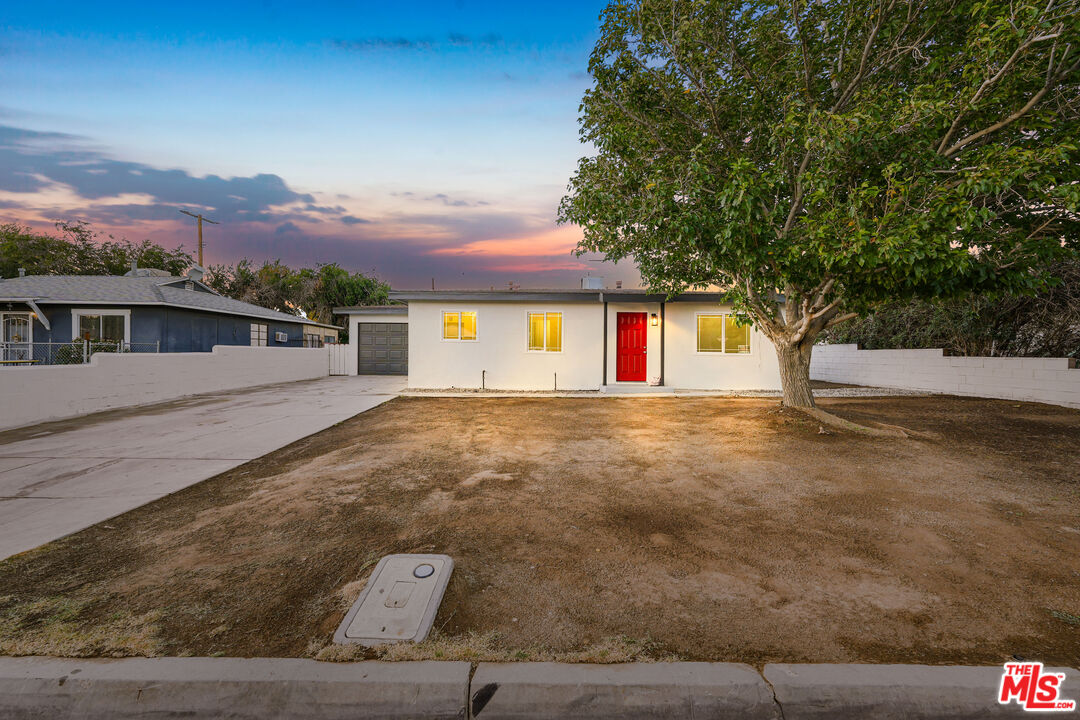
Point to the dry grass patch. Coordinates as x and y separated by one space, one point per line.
603 530
491 647
66 627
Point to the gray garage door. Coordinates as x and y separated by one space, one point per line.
384 349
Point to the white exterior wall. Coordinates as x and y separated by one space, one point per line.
1048 380
352 360
37 394
685 367
501 347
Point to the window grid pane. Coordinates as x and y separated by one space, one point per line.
554 332
468 326
536 331
451 326
112 328
736 339
710 333
258 334
90 327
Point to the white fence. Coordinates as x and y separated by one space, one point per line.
339 358
1049 380
31 395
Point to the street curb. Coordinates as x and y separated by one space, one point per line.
635 690
235 688
885 692
285 688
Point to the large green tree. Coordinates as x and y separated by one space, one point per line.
818 158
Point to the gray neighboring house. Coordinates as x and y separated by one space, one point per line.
144 310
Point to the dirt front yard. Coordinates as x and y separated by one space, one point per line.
698 528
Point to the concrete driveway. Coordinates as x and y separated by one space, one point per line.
60 477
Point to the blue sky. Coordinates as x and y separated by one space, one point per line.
418 140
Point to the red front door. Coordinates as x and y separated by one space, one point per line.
630 347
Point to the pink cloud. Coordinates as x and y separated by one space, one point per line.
557 241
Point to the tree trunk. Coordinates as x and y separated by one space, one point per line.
795 373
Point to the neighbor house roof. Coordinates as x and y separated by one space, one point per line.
166 290
572 295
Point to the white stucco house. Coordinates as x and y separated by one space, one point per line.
588 339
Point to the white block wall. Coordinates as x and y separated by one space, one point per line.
31 395
1048 380
501 347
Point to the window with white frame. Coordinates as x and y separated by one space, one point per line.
258 334
459 325
101 325
312 339
545 331
720 333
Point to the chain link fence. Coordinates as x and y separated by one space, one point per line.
16 354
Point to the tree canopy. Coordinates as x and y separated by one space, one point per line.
832 154
78 250
314 291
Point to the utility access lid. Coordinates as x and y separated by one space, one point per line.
399 602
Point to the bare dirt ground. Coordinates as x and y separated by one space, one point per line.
603 529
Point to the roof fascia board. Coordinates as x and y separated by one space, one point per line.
371 310
516 296
571 296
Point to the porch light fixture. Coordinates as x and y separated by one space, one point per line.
654 320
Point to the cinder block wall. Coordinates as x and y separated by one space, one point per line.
1048 380
37 394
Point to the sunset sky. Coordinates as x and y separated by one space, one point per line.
419 140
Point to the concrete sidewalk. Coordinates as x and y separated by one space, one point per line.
60 477
284 688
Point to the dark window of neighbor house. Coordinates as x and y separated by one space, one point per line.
102 328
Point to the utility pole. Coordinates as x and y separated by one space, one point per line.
200 218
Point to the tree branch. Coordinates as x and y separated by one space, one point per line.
960 144
988 83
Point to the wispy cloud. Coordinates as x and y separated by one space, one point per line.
400 43
32 161
454 202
